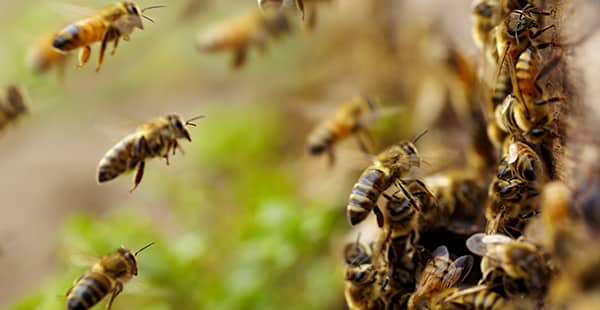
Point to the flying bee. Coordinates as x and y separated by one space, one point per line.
108 275
109 25
13 105
242 33
439 274
389 165
43 56
155 138
361 291
350 118
519 259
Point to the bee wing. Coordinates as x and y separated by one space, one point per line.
496 239
458 271
70 11
441 251
476 245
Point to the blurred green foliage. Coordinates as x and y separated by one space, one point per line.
265 249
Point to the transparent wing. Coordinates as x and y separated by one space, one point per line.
458 271
476 245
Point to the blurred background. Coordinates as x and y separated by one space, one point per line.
245 219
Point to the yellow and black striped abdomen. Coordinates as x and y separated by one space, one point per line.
124 156
79 34
484 300
525 73
326 135
88 291
365 193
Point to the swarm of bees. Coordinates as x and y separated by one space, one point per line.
516 219
510 214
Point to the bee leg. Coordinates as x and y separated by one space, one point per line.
84 56
239 58
167 158
177 146
541 31
378 216
115 292
365 146
102 50
330 157
546 101
112 53
408 195
138 176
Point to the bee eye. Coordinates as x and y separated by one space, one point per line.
408 149
133 10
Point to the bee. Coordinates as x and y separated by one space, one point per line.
241 33
43 56
394 162
519 259
401 213
108 275
513 34
523 162
13 105
519 177
361 291
350 118
440 274
476 298
484 17
357 253
109 25
155 138
457 203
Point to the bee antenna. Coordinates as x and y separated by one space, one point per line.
420 135
189 121
152 7
148 18
143 248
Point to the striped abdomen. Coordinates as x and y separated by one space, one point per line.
326 135
88 291
525 73
122 157
79 34
502 86
365 193
484 300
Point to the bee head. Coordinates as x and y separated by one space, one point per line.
178 127
129 259
518 21
134 11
